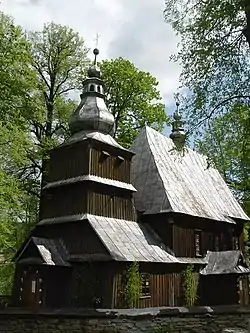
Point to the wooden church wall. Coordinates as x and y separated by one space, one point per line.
109 166
68 161
224 290
52 291
165 286
87 197
178 233
110 206
64 200
92 285
217 239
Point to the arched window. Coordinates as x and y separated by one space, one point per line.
92 87
99 89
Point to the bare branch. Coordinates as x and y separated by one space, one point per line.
225 101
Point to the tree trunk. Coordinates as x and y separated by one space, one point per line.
48 135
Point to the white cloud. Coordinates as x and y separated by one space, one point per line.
134 29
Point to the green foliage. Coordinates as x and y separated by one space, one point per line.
17 80
38 70
133 287
214 54
190 285
227 143
59 59
16 75
133 98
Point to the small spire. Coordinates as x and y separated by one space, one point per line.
178 134
94 70
96 52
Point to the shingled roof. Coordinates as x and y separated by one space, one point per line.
132 241
51 251
225 262
169 181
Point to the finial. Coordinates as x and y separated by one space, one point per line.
178 134
177 101
96 50
94 71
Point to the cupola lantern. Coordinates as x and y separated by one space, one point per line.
92 114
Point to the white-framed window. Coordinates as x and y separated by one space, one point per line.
33 286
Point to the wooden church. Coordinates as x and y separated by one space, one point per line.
104 207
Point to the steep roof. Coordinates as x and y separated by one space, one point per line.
97 136
129 241
225 262
125 241
51 251
132 241
169 181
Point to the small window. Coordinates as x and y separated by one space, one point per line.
216 243
103 156
118 161
92 87
145 285
98 89
240 285
236 243
197 243
33 286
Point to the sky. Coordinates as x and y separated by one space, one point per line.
133 29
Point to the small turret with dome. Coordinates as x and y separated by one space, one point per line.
92 114
178 134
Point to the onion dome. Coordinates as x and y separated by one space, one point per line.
92 114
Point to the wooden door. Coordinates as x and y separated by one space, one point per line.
32 290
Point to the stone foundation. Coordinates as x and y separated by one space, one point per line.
155 320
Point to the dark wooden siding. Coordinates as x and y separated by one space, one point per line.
165 290
184 242
68 162
219 290
243 290
178 232
214 236
56 282
109 167
91 286
53 290
111 206
165 285
64 200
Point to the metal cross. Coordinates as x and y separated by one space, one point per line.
96 40
177 100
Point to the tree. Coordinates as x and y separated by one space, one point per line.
16 86
133 287
227 145
59 58
133 99
214 54
190 285
16 76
